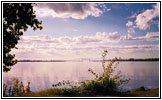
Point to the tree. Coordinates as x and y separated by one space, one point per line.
17 17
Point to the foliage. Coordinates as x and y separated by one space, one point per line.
105 83
17 17
14 87
59 92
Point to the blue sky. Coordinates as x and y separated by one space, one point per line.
84 30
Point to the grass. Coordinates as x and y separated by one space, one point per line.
142 93
58 93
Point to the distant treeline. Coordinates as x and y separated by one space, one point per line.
131 59
41 60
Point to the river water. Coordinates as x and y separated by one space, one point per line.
42 75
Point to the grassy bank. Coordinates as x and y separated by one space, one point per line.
71 93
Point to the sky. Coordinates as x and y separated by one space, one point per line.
85 30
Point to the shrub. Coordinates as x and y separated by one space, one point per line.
105 83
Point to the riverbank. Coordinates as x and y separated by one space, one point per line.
57 93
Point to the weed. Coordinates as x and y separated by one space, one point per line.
14 87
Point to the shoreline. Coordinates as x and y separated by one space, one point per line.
139 92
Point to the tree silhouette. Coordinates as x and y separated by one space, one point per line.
17 17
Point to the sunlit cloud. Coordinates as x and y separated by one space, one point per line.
150 36
129 24
50 47
70 10
145 20
100 37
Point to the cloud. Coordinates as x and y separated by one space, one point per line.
70 10
145 20
150 36
129 23
65 47
132 48
103 7
133 16
49 47
131 30
108 37
98 38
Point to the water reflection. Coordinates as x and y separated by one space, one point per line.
43 74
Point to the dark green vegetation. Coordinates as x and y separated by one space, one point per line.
15 88
17 17
69 92
132 59
141 93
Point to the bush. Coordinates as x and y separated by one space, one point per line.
105 83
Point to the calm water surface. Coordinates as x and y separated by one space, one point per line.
43 74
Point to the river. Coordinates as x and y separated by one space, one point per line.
43 74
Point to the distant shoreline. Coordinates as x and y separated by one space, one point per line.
89 60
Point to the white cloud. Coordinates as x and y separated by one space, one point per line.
150 36
129 23
29 48
103 7
50 47
113 37
69 10
99 38
145 20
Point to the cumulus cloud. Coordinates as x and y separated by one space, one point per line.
145 19
108 37
49 47
150 36
65 47
70 10
98 38
113 37
129 23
